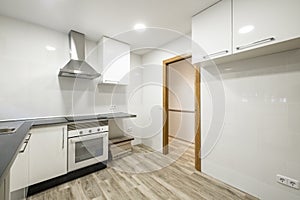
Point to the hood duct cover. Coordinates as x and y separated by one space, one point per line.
77 67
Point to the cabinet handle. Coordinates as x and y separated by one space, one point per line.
29 136
26 143
63 137
256 43
23 150
111 81
216 54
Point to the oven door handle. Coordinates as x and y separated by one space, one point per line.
87 137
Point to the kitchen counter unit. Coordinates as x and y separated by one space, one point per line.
10 144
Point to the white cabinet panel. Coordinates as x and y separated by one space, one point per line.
258 23
4 189
114 59
19 172
212 32
48 153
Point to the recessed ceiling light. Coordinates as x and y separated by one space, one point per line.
246 29
139 27
50 48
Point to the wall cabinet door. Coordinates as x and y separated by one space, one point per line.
115 61
19 172
47 153
212 32
258 23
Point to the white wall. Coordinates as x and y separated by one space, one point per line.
29 82
261 131
152 89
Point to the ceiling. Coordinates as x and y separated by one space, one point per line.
113 18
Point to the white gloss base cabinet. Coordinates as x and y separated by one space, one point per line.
114 60
4 189
212 32
19 172
48 153
258 23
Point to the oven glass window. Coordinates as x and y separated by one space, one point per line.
88 149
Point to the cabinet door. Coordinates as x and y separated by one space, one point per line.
19 172
116 62
212 32
258 23
47 153
2 191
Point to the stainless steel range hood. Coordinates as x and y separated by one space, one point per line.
77 67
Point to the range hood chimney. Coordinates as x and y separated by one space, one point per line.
77 67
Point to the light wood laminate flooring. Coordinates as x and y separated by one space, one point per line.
146 174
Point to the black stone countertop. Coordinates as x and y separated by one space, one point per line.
10 144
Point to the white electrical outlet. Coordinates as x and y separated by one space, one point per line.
293 183
288 181
281 179
129 129
112 107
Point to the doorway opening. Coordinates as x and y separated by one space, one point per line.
181 104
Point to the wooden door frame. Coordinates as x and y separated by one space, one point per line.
197 108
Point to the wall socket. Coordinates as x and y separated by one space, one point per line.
129 129
113 108
288 181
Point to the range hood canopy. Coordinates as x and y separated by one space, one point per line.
77 67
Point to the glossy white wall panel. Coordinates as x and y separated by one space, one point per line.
275 18
261 128
152 89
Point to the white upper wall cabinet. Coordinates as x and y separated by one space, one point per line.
114 60
212 32
258 23
234 26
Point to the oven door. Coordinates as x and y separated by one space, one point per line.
87 150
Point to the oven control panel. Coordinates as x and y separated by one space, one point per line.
87 131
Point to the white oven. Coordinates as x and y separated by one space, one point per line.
87 146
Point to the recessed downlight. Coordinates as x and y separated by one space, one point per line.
139 27
246 29
50 48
